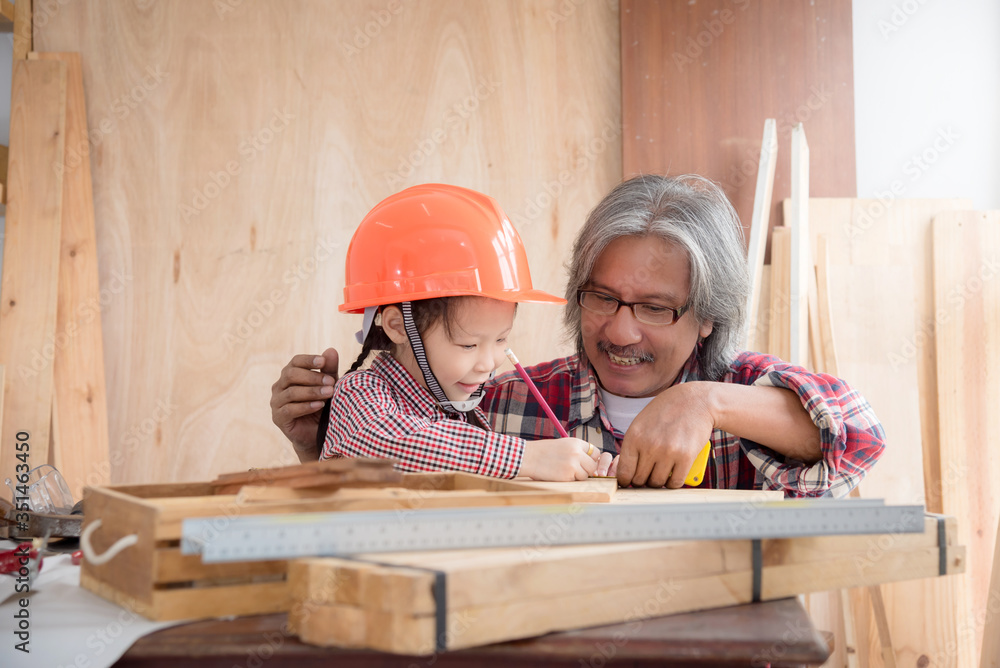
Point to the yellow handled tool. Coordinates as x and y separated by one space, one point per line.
697 472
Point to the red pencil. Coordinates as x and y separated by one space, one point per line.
534 390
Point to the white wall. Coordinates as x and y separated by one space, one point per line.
927 98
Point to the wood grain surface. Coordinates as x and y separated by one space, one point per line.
698 80
235 146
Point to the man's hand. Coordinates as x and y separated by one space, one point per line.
298 396
665 438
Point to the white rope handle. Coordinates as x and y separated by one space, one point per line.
98 559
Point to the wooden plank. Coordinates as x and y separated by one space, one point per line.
696 495
801 256
677 56
762 331
873 309
479 578
779 331
274 475
170 511
78 367
599 490
31 256
519 618
370 498
760 224
967 332
23 30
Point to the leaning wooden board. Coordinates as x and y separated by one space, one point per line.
154 579
31 259
967 333
80 430
408 602
896 232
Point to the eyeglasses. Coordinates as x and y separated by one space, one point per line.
651 314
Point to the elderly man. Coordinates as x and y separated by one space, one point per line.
657 293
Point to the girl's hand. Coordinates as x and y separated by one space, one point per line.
559 459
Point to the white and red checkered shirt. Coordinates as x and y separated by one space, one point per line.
383 412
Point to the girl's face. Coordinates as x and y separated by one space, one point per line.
464 360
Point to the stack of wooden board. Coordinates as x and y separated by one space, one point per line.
50 322
417 603
886 345
153 578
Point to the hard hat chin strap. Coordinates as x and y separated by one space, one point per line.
432 383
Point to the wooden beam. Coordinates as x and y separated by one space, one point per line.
495 595
31 256
759 225
801 262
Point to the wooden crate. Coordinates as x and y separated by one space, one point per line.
153 578
394 602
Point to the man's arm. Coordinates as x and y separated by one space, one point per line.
760 409
297 397
670 432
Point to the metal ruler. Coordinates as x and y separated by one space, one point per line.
288 536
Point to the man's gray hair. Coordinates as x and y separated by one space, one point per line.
693 213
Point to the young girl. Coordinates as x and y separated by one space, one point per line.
438 271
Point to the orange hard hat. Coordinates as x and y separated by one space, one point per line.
436 240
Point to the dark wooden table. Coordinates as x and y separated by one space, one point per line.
775 633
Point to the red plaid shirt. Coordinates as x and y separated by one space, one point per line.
383 412
852 437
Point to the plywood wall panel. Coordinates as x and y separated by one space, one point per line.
242 143
699 79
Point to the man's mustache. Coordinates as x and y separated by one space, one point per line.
624 351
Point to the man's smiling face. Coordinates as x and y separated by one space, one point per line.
631 358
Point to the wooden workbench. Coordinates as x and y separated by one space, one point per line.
776 632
